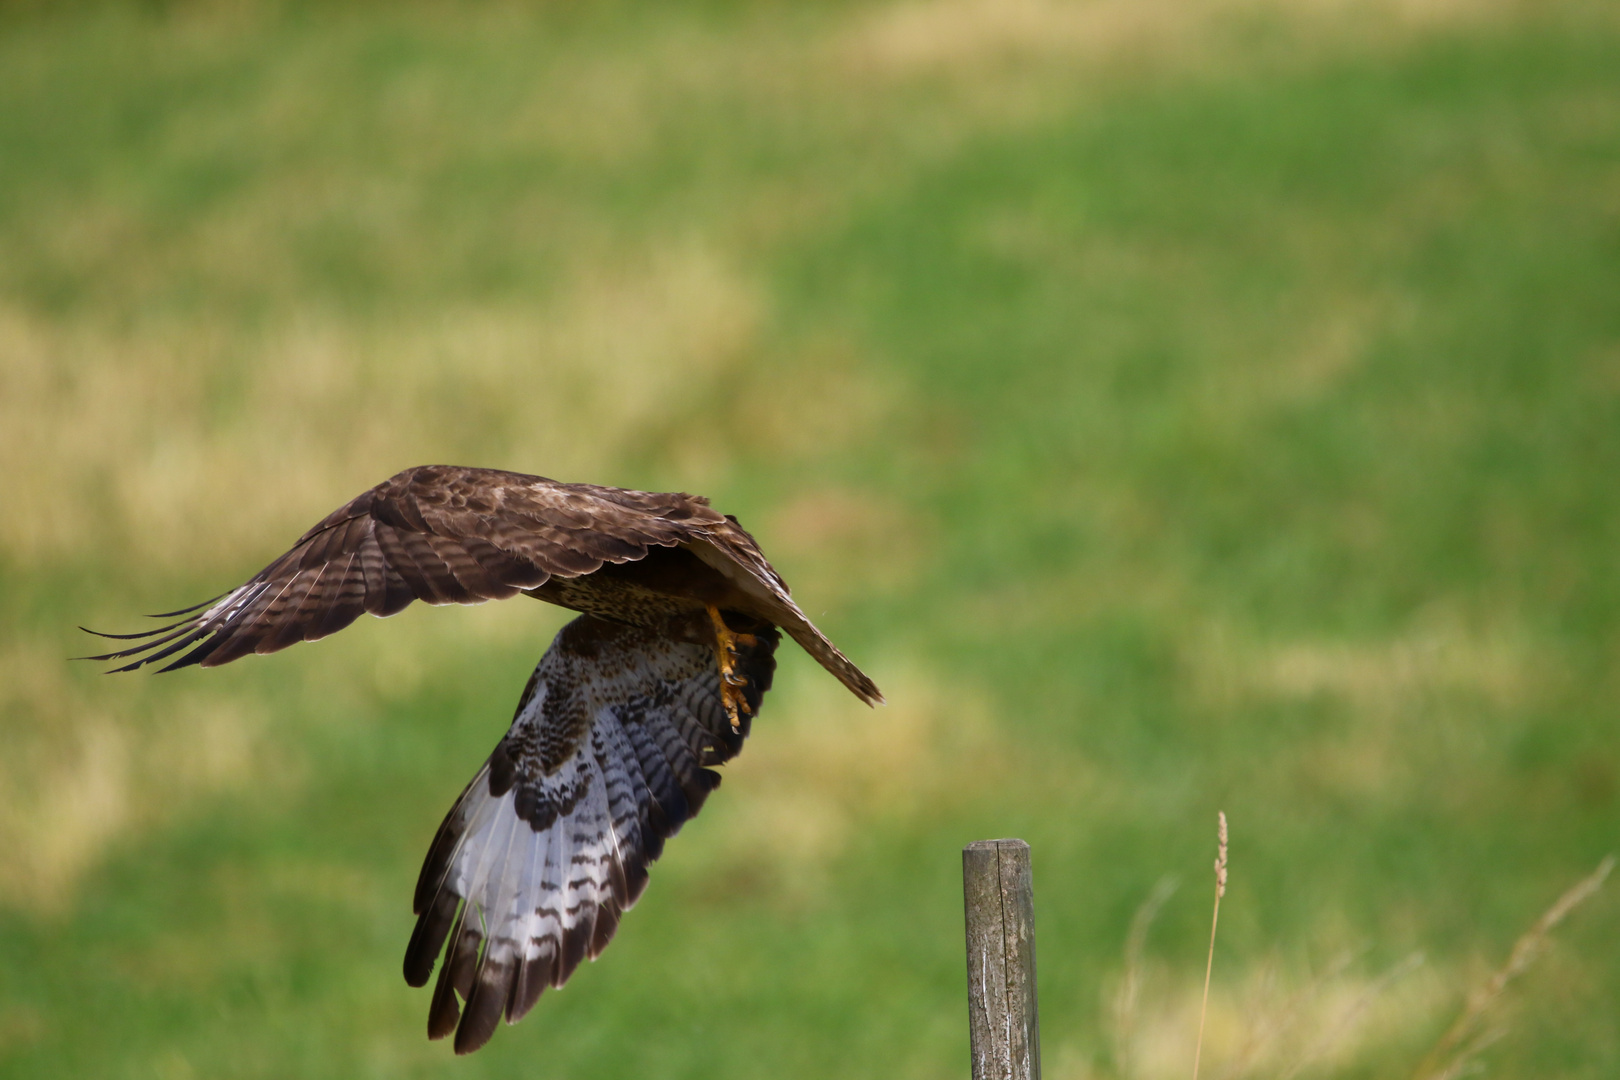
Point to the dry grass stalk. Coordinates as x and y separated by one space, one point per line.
1130 986
1214 922
1464 1039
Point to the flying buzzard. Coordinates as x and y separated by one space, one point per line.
607 755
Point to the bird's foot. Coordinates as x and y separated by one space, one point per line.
731 684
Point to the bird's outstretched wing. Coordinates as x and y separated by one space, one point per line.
453 535
443 534
550 843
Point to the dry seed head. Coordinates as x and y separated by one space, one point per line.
1214 921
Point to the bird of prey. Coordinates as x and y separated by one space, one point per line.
610 748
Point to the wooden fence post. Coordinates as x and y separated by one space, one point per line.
1000 900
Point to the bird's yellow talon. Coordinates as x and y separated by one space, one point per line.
731 684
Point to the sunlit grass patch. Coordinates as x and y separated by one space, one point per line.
150 432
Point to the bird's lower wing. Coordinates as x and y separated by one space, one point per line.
550 843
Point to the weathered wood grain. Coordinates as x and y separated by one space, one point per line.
1000 902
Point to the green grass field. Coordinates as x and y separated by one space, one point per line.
1174 406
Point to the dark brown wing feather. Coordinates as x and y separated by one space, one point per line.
442 534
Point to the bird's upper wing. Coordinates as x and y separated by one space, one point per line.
549 844
443 534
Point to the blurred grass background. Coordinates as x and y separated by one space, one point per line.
1174 405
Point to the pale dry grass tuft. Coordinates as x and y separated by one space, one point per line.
1274 1025
1274 1019
117 431
80 772
1468 1035
1337 1033
935 35
1325 1021
1428 688
1445 653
